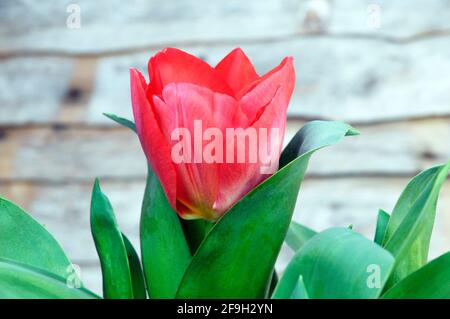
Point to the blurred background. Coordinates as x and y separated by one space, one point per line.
382 66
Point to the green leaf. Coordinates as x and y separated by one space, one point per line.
24 240
298 235
195 231
326 136
432 281
337 263
300 290
238 254
409 229
122 121
19 281
137 276
272 284
110 247
165 252
382 222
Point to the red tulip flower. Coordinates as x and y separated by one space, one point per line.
183 117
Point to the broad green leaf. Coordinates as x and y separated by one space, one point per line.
298 145
382 222
110 247
272 284
122 121
137 276
165 252
20 281
195 231
432 281
24 240
238 254
409 229
337 263
300 290
298 235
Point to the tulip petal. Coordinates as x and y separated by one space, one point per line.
261 92
266 105
152 140
175 66
237 70
181 106
237 179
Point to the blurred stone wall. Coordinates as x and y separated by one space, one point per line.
382 66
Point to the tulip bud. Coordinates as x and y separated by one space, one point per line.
211 134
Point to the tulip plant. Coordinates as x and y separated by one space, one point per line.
212 224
